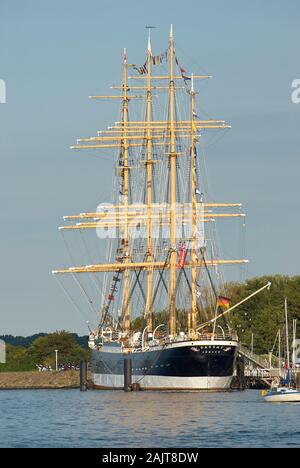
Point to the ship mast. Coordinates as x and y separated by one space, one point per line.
193 321
149 162
172 201
124 143
149 133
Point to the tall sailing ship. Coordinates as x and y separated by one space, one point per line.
163 300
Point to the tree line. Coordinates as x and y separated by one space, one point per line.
41 351
261 316
264 314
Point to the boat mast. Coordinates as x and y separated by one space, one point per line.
124 143
172 201
148 133
193 321
279 350
149 162
287 333
294 347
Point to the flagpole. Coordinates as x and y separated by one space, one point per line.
267 286
215 322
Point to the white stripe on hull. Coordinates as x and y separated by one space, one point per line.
285 398
159 382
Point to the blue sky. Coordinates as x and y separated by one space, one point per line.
54 54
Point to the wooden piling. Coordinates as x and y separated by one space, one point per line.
127 375
298 380
83 376
240 371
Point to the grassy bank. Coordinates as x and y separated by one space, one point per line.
38 380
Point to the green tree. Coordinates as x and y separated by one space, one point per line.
43 349
264 314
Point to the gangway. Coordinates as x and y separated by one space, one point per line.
261 372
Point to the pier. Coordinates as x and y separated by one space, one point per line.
256 372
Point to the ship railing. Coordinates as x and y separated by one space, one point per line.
215 337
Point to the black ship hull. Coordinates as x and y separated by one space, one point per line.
187 365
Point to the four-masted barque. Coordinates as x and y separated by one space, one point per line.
163 302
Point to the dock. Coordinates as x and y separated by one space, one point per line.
253 371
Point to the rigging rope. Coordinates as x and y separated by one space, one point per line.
90 302
71 300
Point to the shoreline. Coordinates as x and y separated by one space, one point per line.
34 380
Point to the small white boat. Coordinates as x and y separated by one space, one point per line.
282 395
281 390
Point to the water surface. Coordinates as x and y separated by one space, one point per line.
68 418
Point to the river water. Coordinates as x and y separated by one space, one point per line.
103 419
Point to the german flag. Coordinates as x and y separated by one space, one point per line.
223 302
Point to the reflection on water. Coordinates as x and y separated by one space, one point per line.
68 418
169 411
